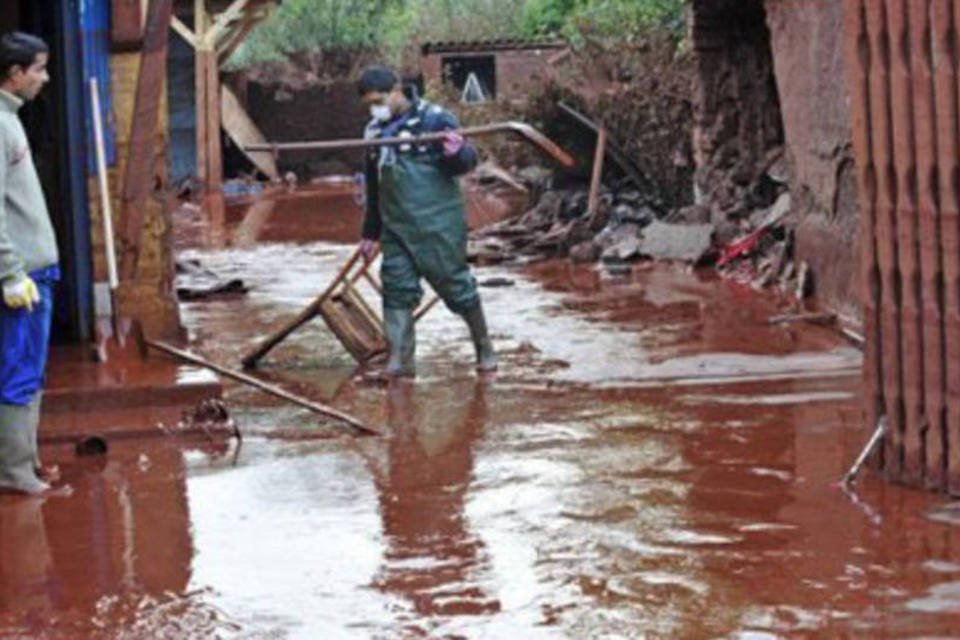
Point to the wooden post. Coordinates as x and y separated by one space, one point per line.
214 149
209 153
139 177
200 77
596 179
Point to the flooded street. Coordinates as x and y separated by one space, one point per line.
654 459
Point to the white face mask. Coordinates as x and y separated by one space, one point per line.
380 112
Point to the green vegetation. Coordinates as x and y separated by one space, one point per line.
392 26
610 18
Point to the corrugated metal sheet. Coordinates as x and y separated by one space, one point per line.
95 41
903 71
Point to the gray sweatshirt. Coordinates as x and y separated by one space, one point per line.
27 240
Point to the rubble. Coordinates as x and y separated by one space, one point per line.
684 242
753 245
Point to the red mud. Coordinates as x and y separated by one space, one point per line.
654 460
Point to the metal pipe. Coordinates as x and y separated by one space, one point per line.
526 131
875 439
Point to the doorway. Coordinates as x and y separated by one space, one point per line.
55 127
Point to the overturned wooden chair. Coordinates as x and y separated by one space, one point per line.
347 313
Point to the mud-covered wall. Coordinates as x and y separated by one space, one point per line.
772 112
737 119
320 112
807 43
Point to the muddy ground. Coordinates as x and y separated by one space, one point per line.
654 459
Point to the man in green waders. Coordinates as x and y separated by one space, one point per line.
415 211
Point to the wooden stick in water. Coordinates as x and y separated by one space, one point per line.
270 389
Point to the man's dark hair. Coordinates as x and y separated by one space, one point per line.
377 78
19 48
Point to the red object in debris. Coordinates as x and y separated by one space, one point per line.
740 246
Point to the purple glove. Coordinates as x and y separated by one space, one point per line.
452 143
367 249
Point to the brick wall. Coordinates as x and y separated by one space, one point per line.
518 71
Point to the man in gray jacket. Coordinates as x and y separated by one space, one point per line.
28 267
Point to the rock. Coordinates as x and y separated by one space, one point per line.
687 243
630 197
779 210
587 251
693 214
578 232
777 168
545 212
615 233
625 249
574 206
641 215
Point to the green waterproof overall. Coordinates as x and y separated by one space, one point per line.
424 235
416 210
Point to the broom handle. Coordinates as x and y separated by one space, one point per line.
105 200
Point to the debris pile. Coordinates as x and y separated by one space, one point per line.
559 225
748 240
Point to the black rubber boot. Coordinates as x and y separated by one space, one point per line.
18 448
402 340
477 323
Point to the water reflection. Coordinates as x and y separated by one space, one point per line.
431 557
102 557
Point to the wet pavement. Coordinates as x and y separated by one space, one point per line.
654 460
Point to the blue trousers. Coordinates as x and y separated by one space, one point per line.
25 341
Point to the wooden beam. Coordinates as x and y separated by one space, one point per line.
596 179
184 31
139 178
232 33
243 130
234 39
214 150
233 12
200 90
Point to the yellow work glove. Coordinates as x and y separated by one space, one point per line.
22 293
